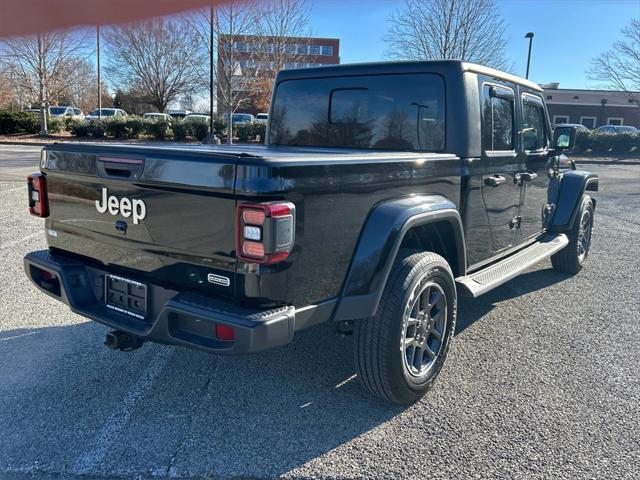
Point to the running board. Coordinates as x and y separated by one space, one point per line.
498 273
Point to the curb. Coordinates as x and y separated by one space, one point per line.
28 144
607 162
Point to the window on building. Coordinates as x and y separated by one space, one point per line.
302 49
589 122
533 124
615 121
290 49
386 112
560 119
241 47
497 118
327 50
314 49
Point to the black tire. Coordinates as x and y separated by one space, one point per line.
385 365
571 258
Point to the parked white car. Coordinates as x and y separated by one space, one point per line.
179 114
157 117
197 117
63 112
106 113
262 117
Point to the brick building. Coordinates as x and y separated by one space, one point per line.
262 57
591 108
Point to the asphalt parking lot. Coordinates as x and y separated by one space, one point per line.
542 381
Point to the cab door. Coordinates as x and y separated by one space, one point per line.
535 176
500 188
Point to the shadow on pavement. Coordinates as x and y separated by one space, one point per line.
258 415
73 406
473 309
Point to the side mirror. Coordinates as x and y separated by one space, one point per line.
564 138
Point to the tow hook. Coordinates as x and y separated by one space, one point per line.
117 340
345 328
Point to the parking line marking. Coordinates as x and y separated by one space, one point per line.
108 434
7 190
17 336
19 241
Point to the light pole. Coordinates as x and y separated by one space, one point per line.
211 131
529 35
98 66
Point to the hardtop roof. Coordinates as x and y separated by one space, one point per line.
377 68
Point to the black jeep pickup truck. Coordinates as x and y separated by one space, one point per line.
382 191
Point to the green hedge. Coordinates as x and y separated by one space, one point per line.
248 132
592 141
19 123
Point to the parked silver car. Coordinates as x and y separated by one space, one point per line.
157 117
106 113
617 129
63 112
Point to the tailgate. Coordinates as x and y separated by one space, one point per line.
165 213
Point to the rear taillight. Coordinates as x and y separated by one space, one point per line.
38 201
265 231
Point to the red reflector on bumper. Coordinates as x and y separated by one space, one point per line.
225 333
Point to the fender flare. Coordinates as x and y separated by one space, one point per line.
572 187
378 245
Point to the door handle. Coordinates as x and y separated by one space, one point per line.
494 180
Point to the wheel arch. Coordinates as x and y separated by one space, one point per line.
419 222
573 185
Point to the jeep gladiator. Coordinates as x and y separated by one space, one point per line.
381 193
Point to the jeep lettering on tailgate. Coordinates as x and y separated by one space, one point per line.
125 206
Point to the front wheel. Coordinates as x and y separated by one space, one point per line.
402 348
571 258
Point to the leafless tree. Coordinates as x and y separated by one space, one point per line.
233 25
45 66
281 27
157 57
6 90
619 67
470 30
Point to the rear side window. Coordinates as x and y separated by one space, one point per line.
533 124
497 118
386 112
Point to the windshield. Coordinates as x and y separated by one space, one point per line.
106 112
390 112
57 110
241 117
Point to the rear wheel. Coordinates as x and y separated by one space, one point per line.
571 258
400 351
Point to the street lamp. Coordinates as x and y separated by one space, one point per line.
529 35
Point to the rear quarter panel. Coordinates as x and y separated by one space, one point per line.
333 199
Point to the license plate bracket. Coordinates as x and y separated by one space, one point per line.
126 296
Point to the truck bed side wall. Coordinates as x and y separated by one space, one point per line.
332 202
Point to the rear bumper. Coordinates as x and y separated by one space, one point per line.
173 317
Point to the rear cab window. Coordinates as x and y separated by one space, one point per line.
381 112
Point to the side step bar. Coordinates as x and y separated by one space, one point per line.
498 273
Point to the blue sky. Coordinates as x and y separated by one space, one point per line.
568 33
